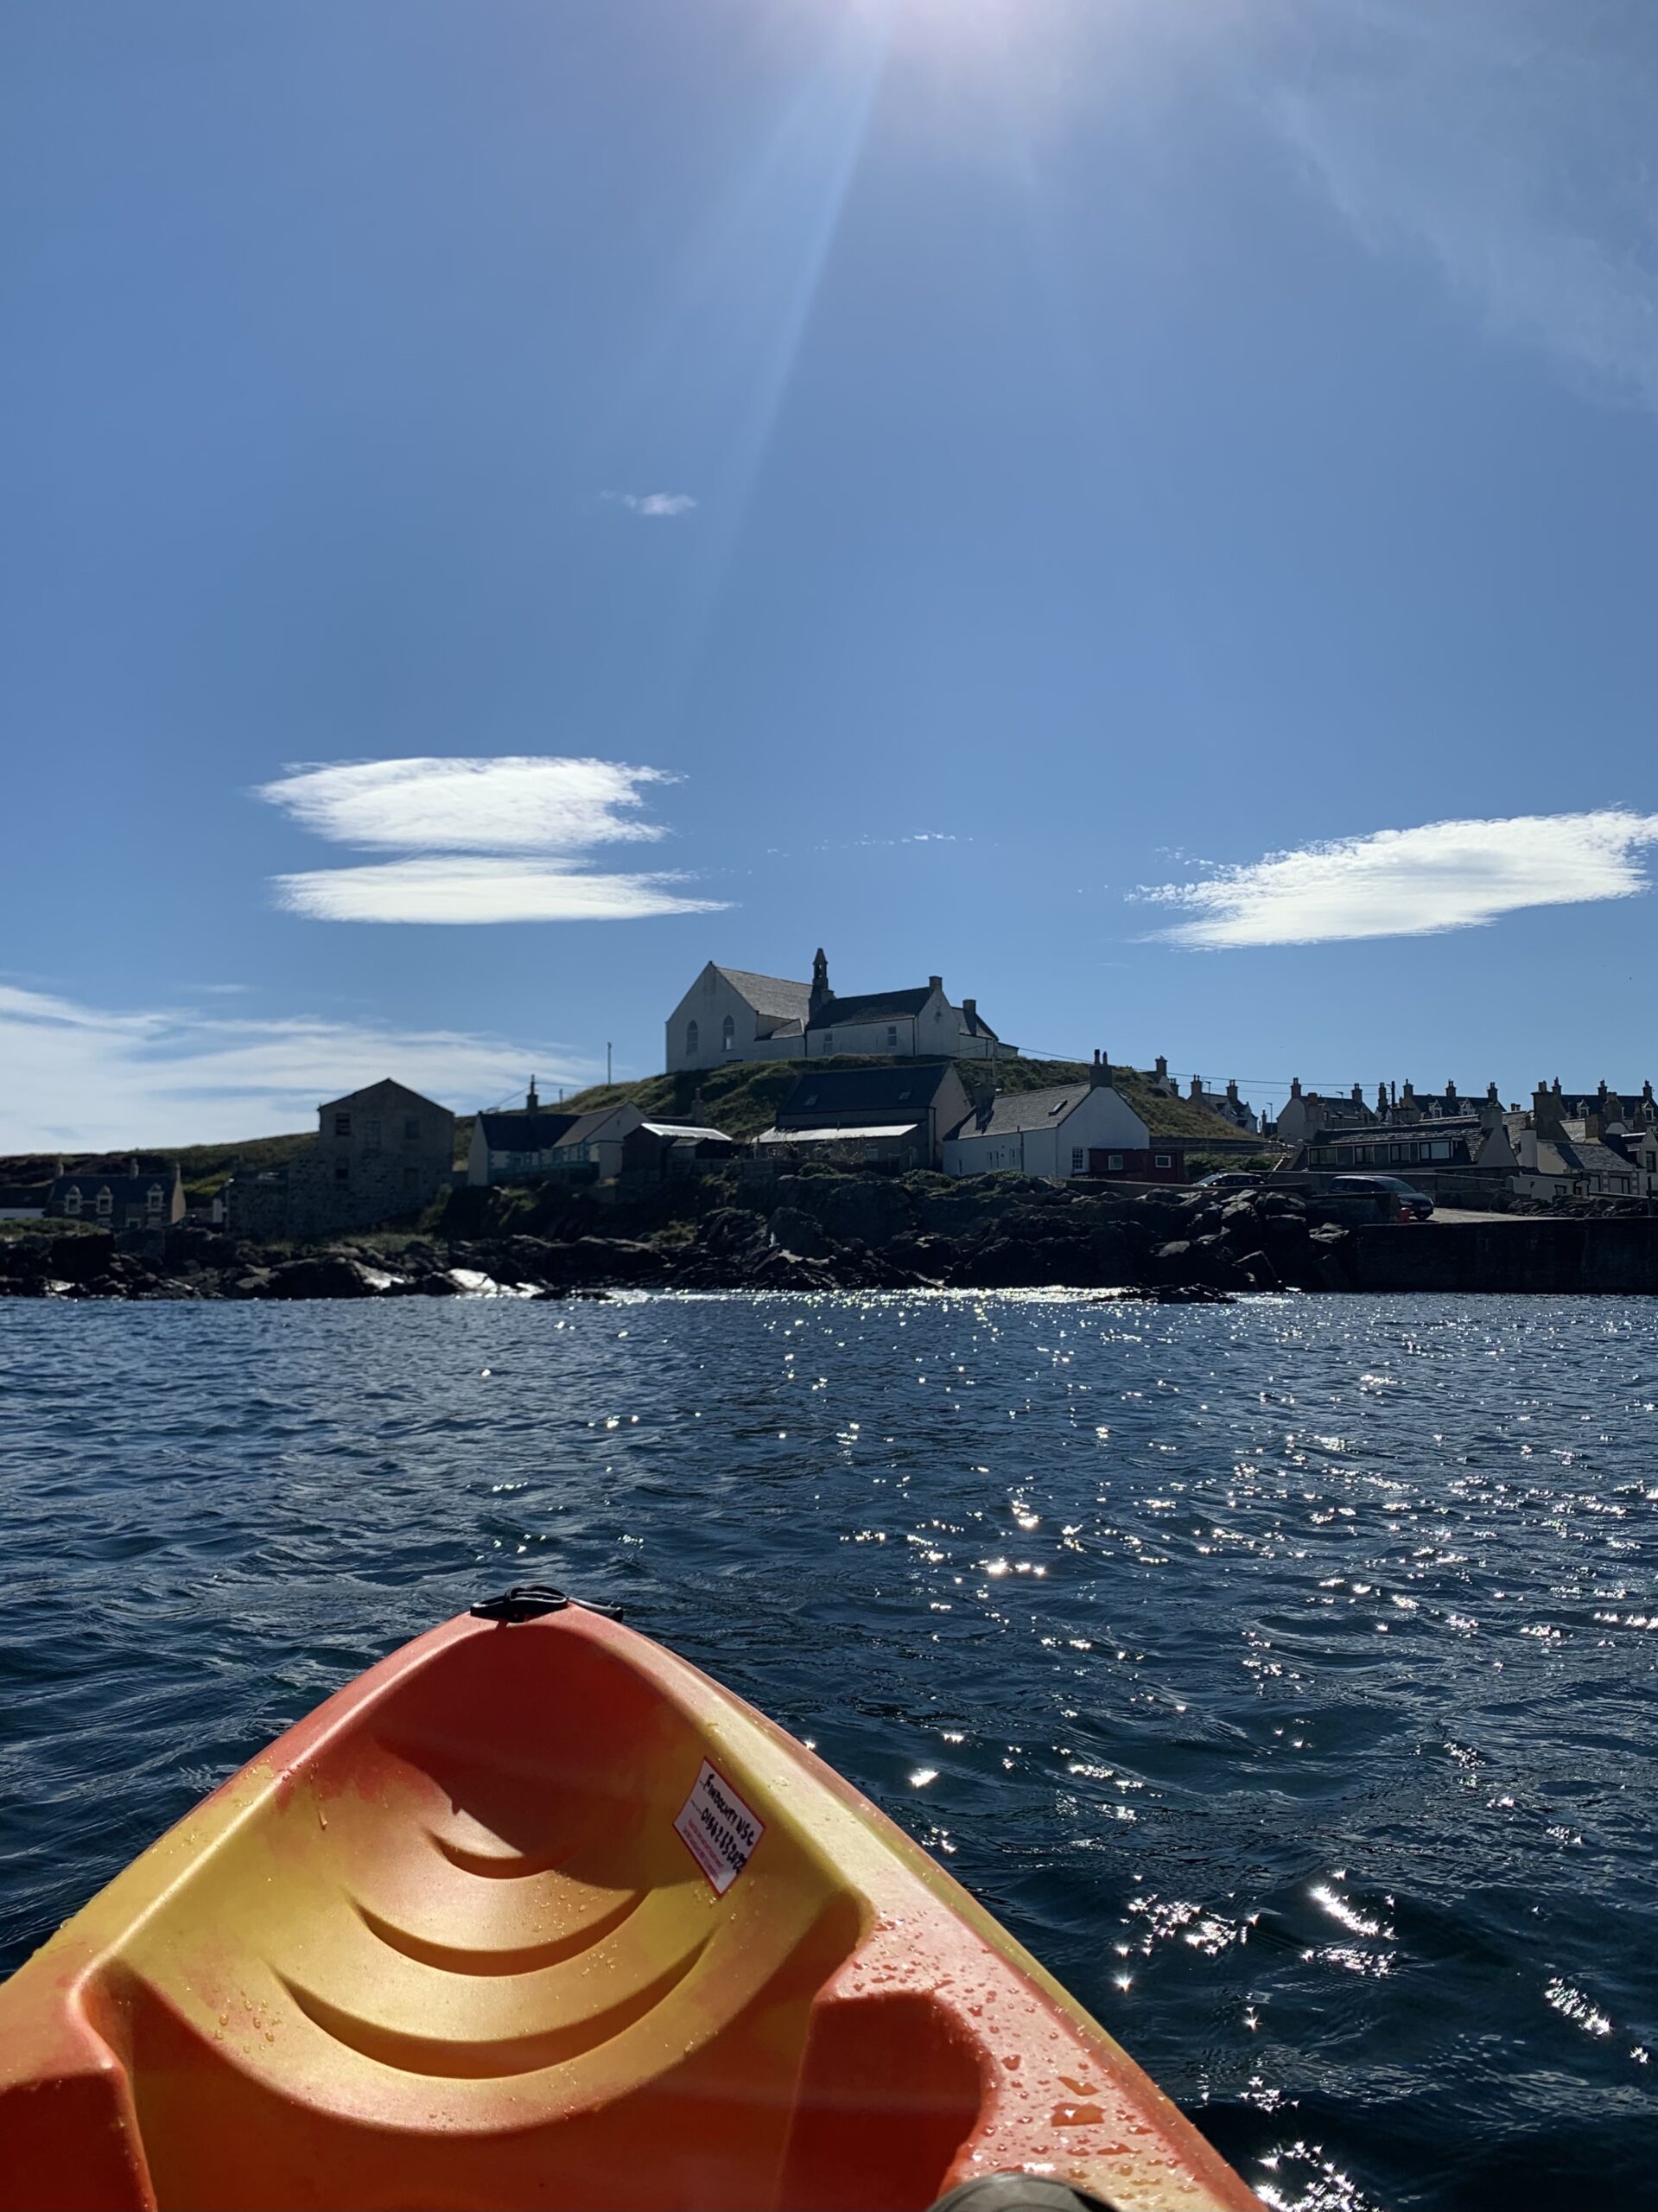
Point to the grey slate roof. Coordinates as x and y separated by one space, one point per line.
1561 1156
1011 1111
842 1096
772 997
520 1130
870 1005
124 1190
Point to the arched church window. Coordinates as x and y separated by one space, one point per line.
728 1035
691 1039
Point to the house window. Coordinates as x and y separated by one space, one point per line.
71 1201
693 1039
1114 1163
342 1171
892 1036
1078 1159
728 1035
153 1198
410 1128
105 1200
828 1040
342 1125
1162 1160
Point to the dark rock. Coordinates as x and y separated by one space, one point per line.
728 1229
324 1274
797 1232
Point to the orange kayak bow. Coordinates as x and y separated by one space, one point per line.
535 1914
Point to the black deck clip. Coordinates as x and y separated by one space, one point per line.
527 1601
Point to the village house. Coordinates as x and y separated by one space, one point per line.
900 1114
529 1142
1550 1153
137 1194
730 1016
1084 1127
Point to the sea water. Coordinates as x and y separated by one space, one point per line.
1281 1673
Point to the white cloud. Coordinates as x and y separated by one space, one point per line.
656 507
82 1078
1508 141
1444 875
515 803
447 890
506 808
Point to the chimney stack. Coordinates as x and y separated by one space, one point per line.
1161 1065
1197 1091
1101 1071
532 1104
970 1009
935 982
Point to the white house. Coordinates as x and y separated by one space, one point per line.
1085 1127
730 1015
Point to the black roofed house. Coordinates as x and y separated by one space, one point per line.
899 1113
731 1014
132 1195
530 1142
1083 1127
517 1142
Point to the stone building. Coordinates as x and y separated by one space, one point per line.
382 1153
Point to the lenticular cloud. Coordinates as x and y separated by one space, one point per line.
536 818
1444 875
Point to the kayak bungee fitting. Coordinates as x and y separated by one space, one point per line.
535 1914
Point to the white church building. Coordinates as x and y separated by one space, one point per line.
730 1015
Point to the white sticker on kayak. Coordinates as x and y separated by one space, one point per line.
719 1829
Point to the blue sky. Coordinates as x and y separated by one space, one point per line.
911 475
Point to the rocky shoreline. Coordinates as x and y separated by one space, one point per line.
803 1233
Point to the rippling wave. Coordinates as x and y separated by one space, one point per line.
1281 1673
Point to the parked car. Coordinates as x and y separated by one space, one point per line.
1413 1202
1227 1180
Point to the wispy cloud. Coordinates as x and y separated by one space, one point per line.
1444 875
654 506
513 803
1506 141
506 807
482 891
82 1077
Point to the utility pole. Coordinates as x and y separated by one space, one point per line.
606 1065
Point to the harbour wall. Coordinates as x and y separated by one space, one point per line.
1512 1253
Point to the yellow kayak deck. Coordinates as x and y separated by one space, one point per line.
535 1914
